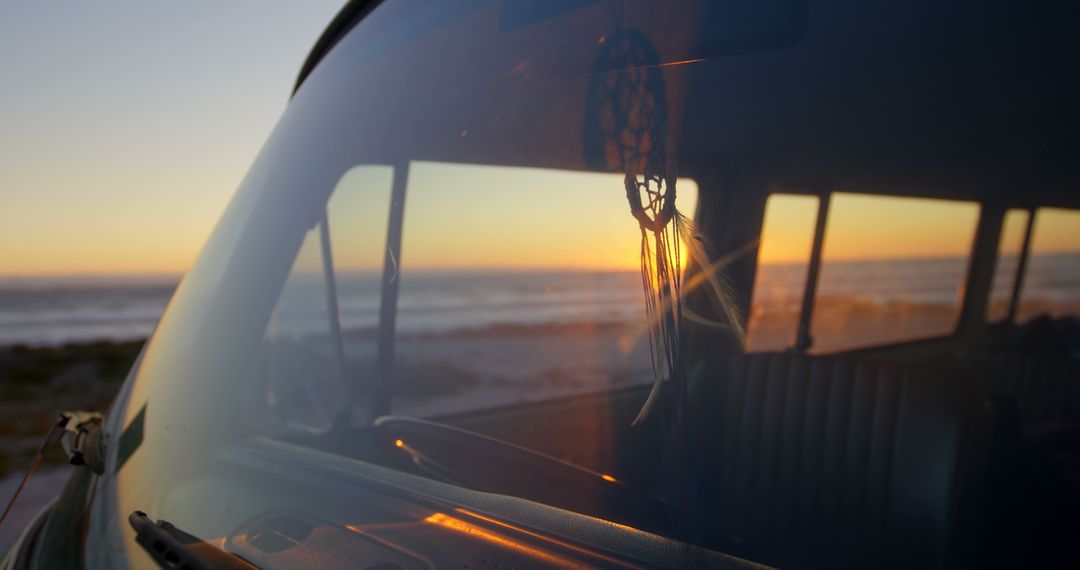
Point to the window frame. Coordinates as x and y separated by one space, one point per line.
1016 294
1021 266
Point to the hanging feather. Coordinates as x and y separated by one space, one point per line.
662 240
652 203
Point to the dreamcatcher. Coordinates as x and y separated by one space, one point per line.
626 128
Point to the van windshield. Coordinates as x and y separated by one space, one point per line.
496 262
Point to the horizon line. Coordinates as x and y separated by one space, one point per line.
177 275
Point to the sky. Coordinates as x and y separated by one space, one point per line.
444 230
525 223
863 226
126 126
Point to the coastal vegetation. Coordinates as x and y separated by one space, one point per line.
37 383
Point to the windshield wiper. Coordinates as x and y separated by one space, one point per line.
173 548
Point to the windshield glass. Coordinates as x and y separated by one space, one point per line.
492 268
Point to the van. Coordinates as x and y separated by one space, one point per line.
583 283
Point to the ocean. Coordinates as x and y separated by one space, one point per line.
54 311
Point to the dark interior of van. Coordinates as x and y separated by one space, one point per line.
961 449
955 450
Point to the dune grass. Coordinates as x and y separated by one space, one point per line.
37 383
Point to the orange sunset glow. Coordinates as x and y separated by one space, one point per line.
487 217
867 227
539 284
537 219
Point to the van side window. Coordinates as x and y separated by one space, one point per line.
1010 245
533 296
1050 282
787 235
513 285
892 270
